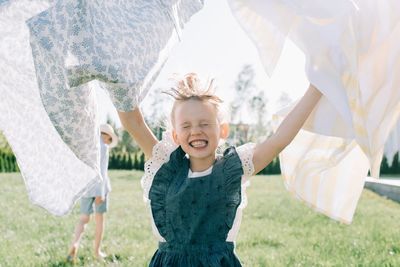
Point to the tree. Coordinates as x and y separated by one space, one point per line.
130 162
126 143
135 162
244 87
284 99
4 146
141 162
261 128
238 107
8 165
2 167
395 168
158 110
111 161
384 165
249 114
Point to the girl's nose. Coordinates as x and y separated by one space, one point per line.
196 129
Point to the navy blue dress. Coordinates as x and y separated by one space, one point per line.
194 215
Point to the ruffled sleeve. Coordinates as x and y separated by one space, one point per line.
161 154
245 153
239 166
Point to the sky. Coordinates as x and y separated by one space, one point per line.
214 45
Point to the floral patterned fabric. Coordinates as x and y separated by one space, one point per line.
53 175
51 50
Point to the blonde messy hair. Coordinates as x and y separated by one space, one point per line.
191 88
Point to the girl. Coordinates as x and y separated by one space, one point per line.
195 195
96 199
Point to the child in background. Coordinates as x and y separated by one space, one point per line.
195 196
96 199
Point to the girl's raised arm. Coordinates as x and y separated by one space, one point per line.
265 152
134 123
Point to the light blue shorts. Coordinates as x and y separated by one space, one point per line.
87 204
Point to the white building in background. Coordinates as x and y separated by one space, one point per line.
392 145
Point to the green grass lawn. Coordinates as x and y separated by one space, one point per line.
277 230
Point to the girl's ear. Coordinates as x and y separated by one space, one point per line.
224 130
175 137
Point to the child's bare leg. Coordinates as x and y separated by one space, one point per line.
99 220
79 229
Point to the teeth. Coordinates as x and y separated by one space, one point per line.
198 143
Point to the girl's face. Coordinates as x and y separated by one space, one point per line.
197 129
106 138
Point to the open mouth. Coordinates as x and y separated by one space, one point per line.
198 143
